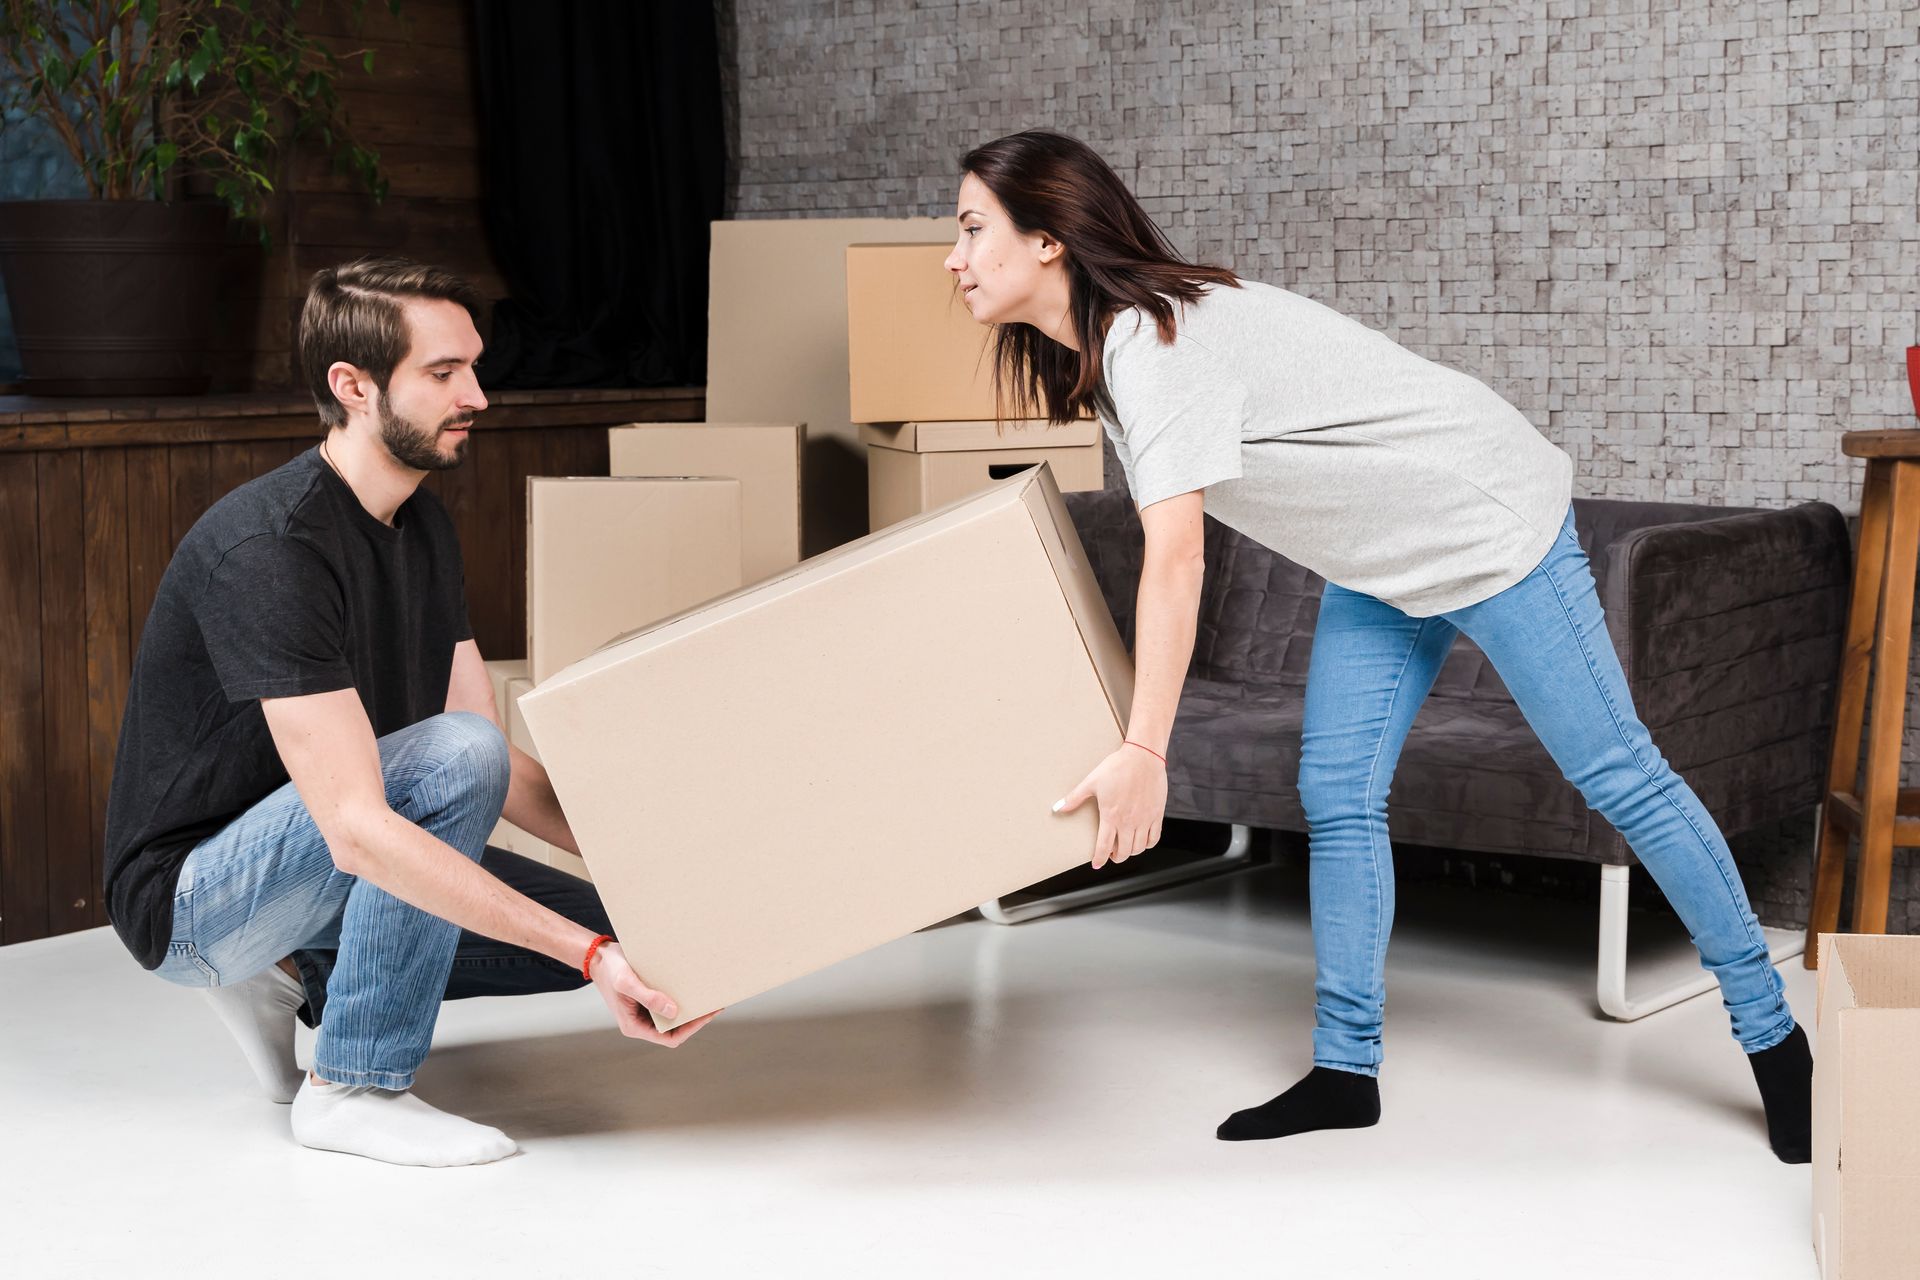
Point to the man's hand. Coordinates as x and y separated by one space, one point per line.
626 995
1130 789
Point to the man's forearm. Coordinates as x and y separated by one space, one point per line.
532 806
417 867
1165 611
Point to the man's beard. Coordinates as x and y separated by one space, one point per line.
419 447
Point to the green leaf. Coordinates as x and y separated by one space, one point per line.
87 59
198 65
164 155
150 12
366 61
175 74
56 73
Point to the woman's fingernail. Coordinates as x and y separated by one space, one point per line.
1057 804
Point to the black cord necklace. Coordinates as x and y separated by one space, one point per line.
326 458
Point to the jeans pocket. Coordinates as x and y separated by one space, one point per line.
183 963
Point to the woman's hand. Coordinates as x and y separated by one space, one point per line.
1130 789
626 995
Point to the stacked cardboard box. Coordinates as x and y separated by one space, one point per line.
765 458
509 679
608 554
1866 1108
758 800
605 556
920 375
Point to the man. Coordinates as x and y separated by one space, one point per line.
311 759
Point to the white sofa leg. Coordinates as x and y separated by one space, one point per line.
1232 858
1612 981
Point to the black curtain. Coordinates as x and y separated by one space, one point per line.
604 162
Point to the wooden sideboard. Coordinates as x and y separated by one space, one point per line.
94 497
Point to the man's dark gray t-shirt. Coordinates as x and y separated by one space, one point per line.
287 586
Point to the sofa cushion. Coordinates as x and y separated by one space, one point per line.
1236 750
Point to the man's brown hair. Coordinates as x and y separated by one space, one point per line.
353 314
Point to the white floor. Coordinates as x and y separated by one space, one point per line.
973 1100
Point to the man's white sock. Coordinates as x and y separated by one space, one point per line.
260 1014
383 1124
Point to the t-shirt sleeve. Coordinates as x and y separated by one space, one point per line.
1181 413
273 618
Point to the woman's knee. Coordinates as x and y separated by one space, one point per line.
1332 791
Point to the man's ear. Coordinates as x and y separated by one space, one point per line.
351 386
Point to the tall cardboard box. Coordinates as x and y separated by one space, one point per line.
764 457
794 799
607 554
914 351
1866 1108
777 346
917 466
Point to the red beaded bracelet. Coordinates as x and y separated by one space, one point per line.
586 966
1129 742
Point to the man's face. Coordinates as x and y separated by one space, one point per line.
434 394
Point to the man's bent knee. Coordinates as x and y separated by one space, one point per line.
473 745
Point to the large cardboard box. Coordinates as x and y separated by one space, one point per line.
607 554
759 798
763 457
777 346
1866 1108
914 351
918 466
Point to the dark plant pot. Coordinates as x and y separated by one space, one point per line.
112 297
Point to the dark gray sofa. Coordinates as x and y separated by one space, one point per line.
1729 622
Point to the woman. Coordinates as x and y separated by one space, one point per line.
1430 505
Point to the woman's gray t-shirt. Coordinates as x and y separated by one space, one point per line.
1335 446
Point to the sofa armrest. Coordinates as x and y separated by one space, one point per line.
1730 631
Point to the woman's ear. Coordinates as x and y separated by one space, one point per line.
1050 249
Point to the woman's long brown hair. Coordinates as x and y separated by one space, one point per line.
1115 256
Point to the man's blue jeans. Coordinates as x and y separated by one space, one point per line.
1371 668
375 969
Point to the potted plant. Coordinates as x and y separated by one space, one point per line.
113 295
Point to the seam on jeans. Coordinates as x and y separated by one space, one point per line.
1373 766
395 1081
213 974
1613 712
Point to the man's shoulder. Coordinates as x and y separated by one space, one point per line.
267 510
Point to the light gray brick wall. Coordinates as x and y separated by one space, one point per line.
1684 237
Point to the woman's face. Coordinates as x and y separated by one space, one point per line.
1006 277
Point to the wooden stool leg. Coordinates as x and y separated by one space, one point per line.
1850 706
1882 798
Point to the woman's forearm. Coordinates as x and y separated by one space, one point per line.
1165 612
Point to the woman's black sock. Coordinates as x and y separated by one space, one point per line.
1323 1099
1785 1076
